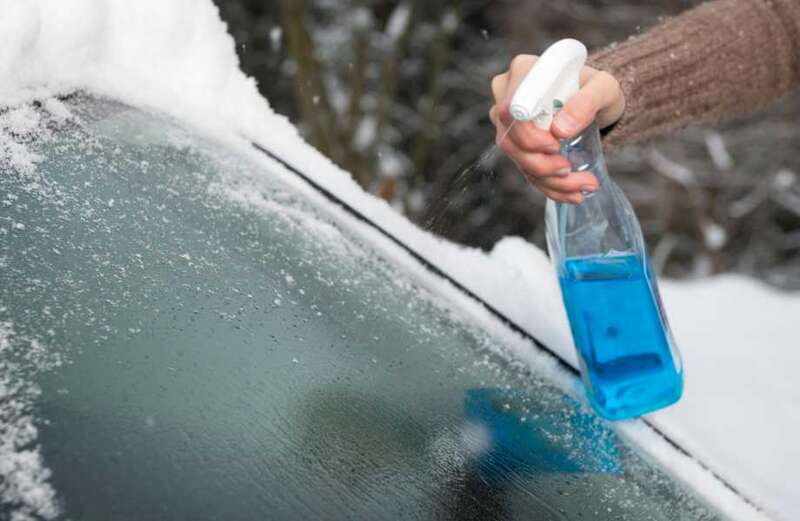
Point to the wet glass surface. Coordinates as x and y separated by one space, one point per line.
226 351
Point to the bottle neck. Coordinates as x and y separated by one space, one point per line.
585 153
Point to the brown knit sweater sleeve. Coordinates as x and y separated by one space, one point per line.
713 62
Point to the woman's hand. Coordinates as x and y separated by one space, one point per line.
535 151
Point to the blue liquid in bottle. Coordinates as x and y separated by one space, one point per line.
629 361
621 335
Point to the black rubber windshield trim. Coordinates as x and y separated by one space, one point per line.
491 309
419 257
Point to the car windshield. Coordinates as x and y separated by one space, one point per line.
185 335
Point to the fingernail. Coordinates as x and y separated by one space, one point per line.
575 199
588 188
554 149
565 123
562 172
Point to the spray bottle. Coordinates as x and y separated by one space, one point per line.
629 362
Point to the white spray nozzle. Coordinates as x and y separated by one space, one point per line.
553 79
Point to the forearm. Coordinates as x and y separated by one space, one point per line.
713 62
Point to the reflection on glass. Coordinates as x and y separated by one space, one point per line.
508 443
510 438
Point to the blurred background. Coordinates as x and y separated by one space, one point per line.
397 93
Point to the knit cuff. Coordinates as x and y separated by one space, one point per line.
712 62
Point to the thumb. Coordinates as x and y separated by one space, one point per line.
600 94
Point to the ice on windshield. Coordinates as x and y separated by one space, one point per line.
24 477
234 350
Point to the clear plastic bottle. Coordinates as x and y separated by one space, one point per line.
629 361
628 358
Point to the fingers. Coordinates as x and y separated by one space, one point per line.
500 128
529 138
539 166
551 174
561 197
600 97
499 84
524 135
548 171
572 183
519 67
534 164
567 189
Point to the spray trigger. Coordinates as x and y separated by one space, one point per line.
551 82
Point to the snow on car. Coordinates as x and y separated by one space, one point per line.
191 326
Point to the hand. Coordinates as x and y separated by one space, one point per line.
535 151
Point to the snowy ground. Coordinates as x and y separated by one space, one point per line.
738 414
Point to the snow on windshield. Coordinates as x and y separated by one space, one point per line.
175 56
182 62
23 475
18 125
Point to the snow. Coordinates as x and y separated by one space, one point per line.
738 339
24 478
669 168
450 22
398 21
275 38
391 163
738 415
718 151
714 235
18 121
361 18
145 52
784 179
365 133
